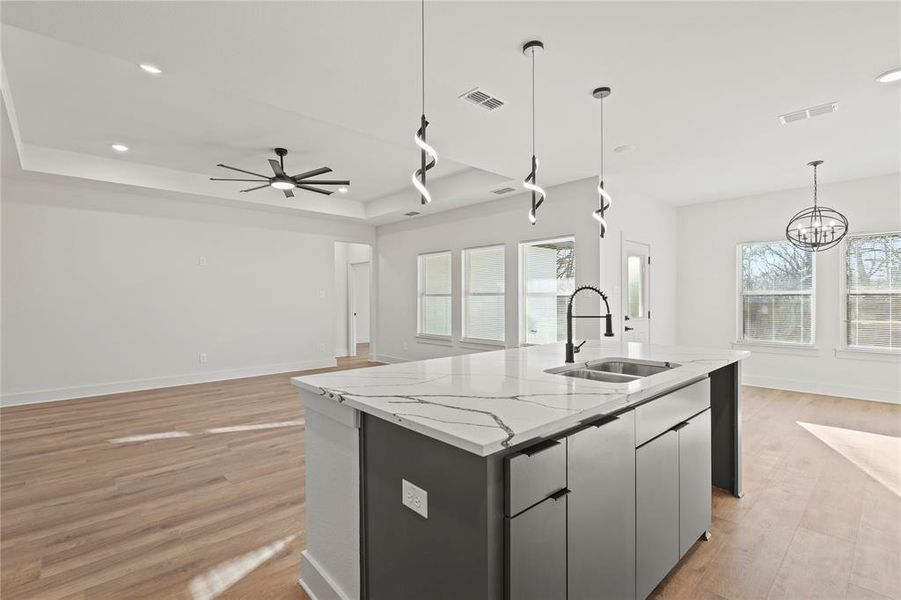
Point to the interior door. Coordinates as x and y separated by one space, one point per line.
636 291
359 305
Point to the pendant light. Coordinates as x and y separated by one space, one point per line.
604 199
425 164
816 228
530 182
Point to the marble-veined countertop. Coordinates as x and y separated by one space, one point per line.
489 401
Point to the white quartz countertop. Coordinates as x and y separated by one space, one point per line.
489 401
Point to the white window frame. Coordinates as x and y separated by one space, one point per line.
419 294
521 288
464 293
844 350
739 304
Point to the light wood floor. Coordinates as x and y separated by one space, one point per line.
87 517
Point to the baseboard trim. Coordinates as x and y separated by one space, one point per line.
825 389
118 387
316 582
387 358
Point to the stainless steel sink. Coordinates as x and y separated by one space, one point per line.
614 370
627 366
597 375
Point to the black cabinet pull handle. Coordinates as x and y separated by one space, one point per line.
539 447
604 421
557 495
679 426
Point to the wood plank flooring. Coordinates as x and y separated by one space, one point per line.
84 516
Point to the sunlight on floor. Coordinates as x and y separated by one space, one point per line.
221 577
146 437
879 456
165 435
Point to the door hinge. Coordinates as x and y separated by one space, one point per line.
649 260
649 314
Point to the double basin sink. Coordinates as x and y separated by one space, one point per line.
614 370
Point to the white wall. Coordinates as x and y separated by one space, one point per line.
345 255
566 211
708 234
103 290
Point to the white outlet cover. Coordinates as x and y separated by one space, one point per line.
415 498
202 261
322 293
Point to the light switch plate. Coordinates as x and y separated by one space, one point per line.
415 498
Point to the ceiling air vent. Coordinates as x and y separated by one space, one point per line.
807 113
503 190
412 213
482 98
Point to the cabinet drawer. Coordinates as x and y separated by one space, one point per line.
534 474
536 551
658 415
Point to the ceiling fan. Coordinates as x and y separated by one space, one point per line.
284 182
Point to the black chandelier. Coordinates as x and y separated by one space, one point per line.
425 164
530 182
816 228
604 199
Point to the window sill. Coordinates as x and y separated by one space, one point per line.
482 343
437 340
765 348
869 354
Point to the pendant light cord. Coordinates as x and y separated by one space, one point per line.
533 101
815 186
422 49
601 176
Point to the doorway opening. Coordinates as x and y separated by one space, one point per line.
353 300
636 301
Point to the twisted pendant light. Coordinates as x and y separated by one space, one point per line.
816 228
604 199
530 183
425 164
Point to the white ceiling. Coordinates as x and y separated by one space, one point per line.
697 88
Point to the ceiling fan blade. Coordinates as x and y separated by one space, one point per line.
256 188
225 179
324 181
313 173
276 168
288 193
312 189
242 171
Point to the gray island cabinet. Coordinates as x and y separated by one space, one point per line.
494 476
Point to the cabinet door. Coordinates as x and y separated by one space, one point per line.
657 510
536 551
695 480
601 505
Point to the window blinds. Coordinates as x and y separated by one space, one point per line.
776 293
435 294
483 293
873 284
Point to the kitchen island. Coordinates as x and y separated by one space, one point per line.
507 474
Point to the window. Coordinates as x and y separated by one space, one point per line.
435 295
548 279
483 293
776 299
873 291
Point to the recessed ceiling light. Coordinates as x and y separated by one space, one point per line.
280 184
624 148
120 147
152 69
342 190
890 76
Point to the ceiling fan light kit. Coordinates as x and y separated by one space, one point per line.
284 182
